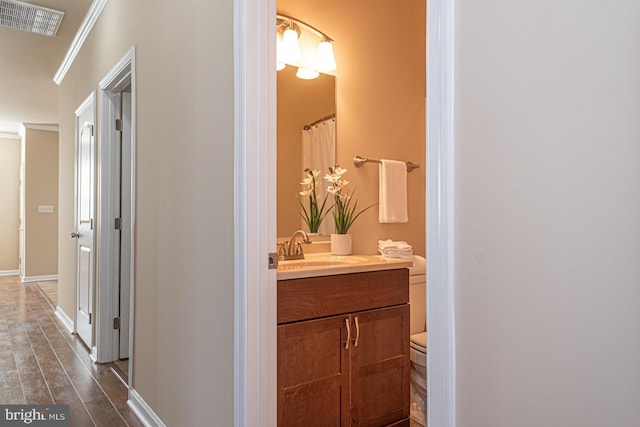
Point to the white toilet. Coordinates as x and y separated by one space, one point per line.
418 346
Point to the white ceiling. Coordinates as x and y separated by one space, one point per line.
27 65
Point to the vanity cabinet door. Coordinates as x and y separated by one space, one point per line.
380 366
313 372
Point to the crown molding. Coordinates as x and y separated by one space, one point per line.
6 135
36 126
83 32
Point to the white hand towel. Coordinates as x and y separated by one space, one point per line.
393 192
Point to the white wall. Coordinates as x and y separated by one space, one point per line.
183 349
547 262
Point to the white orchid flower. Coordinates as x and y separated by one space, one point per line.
339 171
333 190
315 173
307 181
305 193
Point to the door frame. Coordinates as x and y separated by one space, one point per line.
121 75
254 232
441 353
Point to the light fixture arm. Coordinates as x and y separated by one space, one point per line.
282 20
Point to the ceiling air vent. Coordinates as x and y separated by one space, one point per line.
29 17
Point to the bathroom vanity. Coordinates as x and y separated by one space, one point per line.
343 342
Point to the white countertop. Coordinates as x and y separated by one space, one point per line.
325 264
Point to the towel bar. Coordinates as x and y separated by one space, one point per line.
358 161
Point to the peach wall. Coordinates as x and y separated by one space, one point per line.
380 83
9 203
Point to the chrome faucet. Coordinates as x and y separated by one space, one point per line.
293 249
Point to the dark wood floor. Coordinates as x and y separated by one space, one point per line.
42 363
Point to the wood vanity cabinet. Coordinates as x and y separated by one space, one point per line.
343 350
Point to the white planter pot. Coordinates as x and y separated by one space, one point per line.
341 244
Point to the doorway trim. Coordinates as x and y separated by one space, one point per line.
118 78
441 355
254 233
255 213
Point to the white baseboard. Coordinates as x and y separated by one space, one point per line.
64 318
30 279
143 411
9 272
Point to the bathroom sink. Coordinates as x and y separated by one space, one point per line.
325 261
324 264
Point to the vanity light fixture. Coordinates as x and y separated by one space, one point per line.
326 60
312 57
290 47
307 74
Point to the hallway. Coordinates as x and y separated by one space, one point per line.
42 363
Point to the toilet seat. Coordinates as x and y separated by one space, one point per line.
419 342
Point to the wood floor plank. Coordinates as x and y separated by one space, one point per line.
78 414
42 363
34 386
54 374
86 386
10 388
7 361
104 414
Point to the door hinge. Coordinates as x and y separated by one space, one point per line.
118 224
273 261
119 125
90 317
91 224
116 323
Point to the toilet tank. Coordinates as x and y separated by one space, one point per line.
418 294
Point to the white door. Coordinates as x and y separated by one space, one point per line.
125 221
85 193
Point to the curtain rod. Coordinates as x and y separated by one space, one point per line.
330 116
359 161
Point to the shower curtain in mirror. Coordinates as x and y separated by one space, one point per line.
318 152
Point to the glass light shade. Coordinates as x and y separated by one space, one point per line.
325 58
280 66
289 47
307 74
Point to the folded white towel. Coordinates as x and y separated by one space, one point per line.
398 249
398 255
392 192
392 245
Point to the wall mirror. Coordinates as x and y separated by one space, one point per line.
302 103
